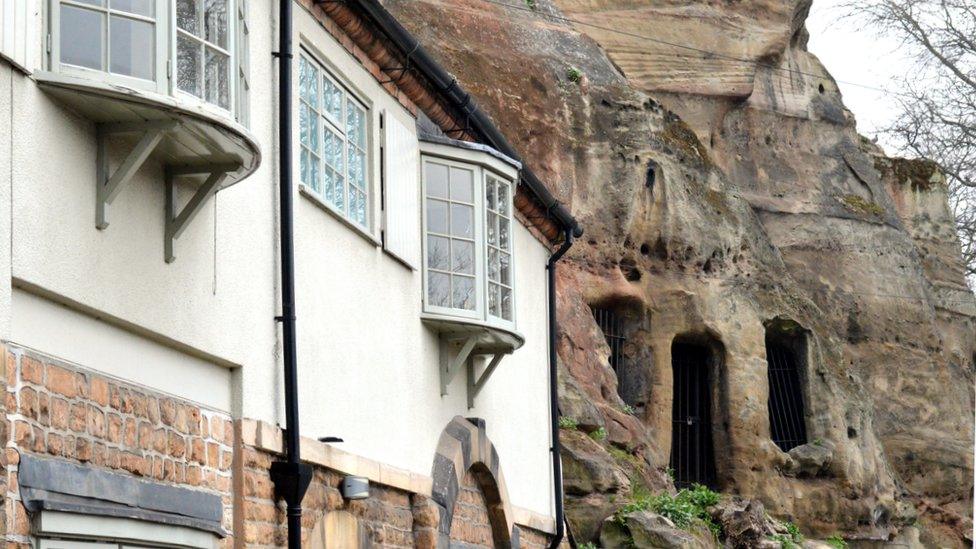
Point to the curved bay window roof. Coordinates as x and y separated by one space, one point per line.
181 62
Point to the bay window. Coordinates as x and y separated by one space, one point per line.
468 240
194 50
333 134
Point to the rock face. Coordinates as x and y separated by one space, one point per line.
730 204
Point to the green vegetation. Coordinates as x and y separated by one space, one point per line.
858 205
836 542
794 532
566 422
818 442
599 435
784 541
683 509
531 3
628 409
587 545
574 75
670 472
625 456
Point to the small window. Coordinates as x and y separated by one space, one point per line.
468 242
113 36
203 50
333 133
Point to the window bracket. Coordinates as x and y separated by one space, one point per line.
466 353
177 221
108 185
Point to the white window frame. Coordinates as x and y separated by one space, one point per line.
165 60
482 165
62 530
327 121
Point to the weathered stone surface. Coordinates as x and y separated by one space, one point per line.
644 529
809 460
743 521
764 204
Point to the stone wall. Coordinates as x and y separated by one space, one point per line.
64 411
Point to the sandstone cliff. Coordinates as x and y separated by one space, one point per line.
727 198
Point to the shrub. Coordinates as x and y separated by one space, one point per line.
532 4
574 75
836 542
587 545
599 435
566 422
784 541
794 532
683 509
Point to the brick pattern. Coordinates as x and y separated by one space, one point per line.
470 525
67 412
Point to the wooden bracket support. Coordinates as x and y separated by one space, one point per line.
451 364
108 185
177 221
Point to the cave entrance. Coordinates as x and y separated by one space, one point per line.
785 360
692 447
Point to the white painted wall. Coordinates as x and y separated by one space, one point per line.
368 365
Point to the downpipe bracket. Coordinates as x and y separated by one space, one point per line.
291 481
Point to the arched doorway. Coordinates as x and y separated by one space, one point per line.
469 489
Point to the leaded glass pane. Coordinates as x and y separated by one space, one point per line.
436 180
217 78
132 48
81 37
462 220
504 236
310 169
506 303
357 167
141 7
308 82
215 20
339 191
462 182
503 199
188 16
462 256
188 65
436 216
360 212
308 124
505 268
332 149
438 248
491 195
331 184
331 99
439 289
463 292
356 125
494 307
491 225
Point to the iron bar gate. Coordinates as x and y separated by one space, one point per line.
613 332
692 450
786 416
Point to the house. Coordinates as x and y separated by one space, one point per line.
141 258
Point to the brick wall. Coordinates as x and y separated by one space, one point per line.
58 410
470 525
389 517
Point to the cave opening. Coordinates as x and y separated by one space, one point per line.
626 328
694 368
786 357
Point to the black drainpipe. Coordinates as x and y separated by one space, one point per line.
291 477
556 449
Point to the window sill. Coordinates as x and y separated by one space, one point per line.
314 198
490 337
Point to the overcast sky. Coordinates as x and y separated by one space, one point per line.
855 55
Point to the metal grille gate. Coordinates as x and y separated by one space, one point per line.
786 422
692 452
613 332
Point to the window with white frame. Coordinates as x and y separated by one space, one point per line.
468 242
334 158
187 48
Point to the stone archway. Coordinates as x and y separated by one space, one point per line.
469 489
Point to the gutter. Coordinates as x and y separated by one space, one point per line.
290 477
556 448
449 88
